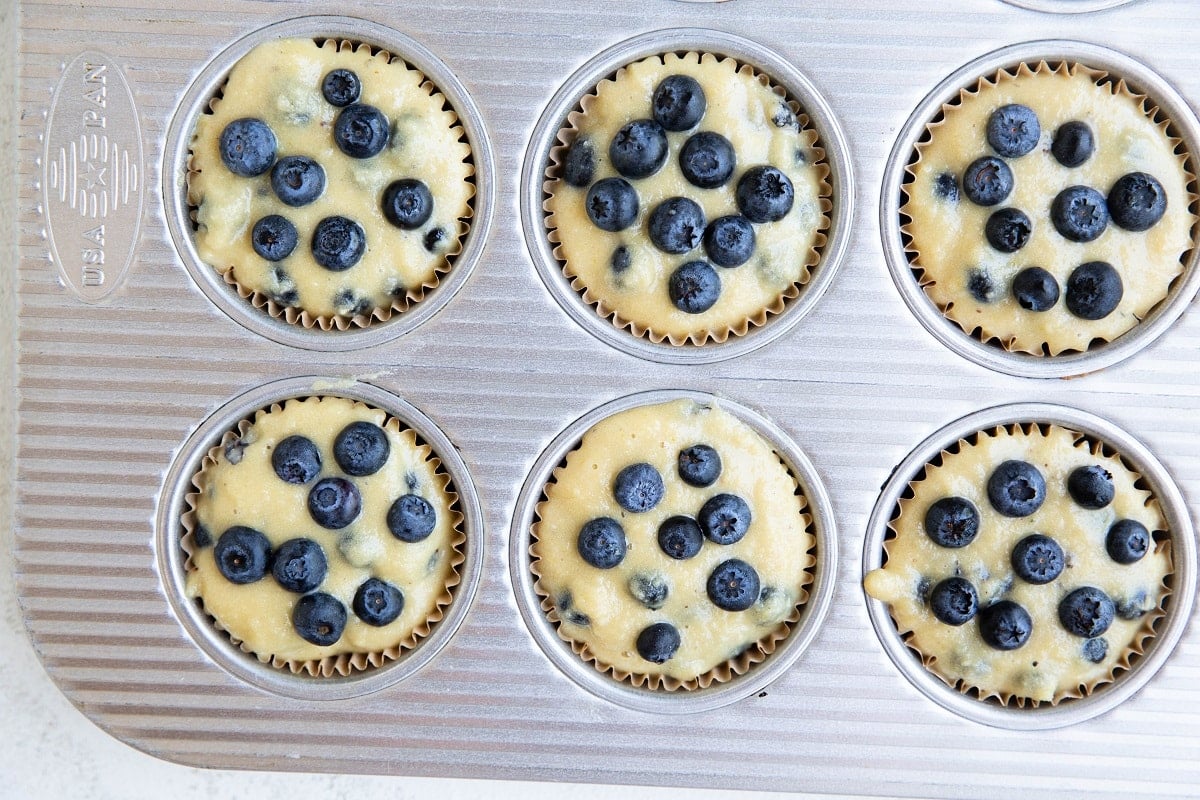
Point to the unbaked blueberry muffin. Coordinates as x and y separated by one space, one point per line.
1049 209
331 183
323 537
689 200
673 547
1027 564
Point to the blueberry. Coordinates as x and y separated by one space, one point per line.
201 536
729 240
565 604
1038 559
699 465
334 503
724 518
247 147
1091 486
764 194
649 590
676 225
1016 489
361 131
1086 612
1008 230
945 186
1013 130
299 565
338 243
1133 607
1094 290
407 203
981 286
707 160
242 554
733 585
1127 541
658 642
579 165
954 601
1094 650
433 239
411 518
639 149
952 522
680 537
678 102
987 181
319 618
296 460
1079 214
1073 144
1035 289
638 488
694 288
620 260
1005 625
341 87
274 237
612 204
601 543
377 602
361 448
297 180
1137 201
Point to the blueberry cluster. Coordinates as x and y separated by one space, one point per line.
244 555
1017 489
677 225
723 519
248 148
1135 202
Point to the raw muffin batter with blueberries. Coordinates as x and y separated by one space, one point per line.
691 200
672 541
1049 211
323 528
329 180
1026 565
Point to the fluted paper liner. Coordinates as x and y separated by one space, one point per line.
778 304
342 664
412 295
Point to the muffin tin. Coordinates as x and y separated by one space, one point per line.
116 388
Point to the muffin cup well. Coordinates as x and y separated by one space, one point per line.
334 677
1147 654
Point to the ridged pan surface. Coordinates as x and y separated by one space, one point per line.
114 382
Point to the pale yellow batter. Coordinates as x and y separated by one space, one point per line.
778 545
1050 666
948 243
279 82
742 108
238 486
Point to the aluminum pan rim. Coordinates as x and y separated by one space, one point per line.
215 644
1106 697
603 685
224 296
949 333
543 139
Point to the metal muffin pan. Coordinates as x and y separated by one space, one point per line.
216 644
174 183
1168 630
113 383
1162 316
718 694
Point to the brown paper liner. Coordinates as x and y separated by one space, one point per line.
343 664
755 653
812 258
400 304
1136 649
1117 86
